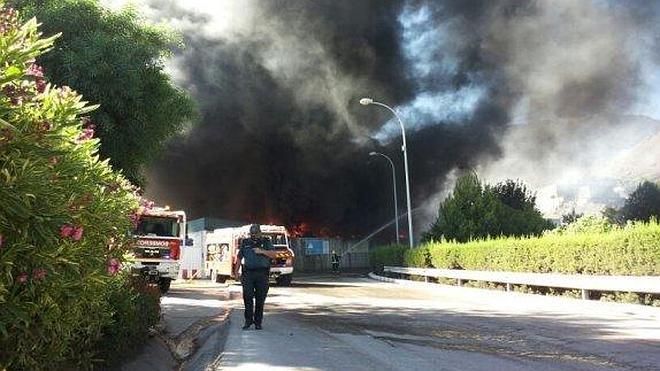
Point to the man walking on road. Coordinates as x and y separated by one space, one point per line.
255 253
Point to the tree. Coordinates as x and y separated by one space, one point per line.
116 59
515 194
643 203
476 211
570 217
613 215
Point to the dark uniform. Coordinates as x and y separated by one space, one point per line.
256 269
336 259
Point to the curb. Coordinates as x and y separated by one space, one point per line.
376 277
208 346
184 345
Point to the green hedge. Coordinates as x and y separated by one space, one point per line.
589 246
630 250
64 215
386 255
418 257
399 255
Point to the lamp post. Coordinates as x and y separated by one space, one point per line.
368 101
396 204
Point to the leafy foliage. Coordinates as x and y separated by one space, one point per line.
418 257
643 203
63 215
475 211
117 60
386 255
613 215
591 245
585 224
570 217
515 194
135 308
594 247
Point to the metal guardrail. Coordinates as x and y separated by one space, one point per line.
586 283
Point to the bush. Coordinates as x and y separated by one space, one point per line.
418 257
134 308
585 224
386 255
63 220
597 249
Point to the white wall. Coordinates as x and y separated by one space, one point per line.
192 257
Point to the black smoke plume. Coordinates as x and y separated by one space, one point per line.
283 139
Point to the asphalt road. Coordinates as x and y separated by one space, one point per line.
359 324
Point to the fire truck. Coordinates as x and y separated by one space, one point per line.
222 248
160 235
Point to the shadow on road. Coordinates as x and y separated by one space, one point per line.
569 340
320 285
473 328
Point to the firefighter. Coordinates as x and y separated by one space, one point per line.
335 262
255 253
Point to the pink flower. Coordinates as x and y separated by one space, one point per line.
5 136
146 204
14 94
35 70
45 126
65 91
135 219
22 278
113 266
87 134
66 230
77 233
39 274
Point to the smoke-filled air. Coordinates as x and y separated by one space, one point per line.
563 95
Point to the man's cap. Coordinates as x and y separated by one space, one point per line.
255 228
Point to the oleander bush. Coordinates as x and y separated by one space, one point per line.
135 308
64 215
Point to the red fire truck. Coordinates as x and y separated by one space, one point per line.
160 236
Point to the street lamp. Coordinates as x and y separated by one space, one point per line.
368 101
396 204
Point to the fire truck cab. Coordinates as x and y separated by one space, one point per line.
160 236
222 248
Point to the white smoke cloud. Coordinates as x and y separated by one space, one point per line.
431 50
577 67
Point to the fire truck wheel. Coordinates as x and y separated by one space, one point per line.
284 280
164 285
